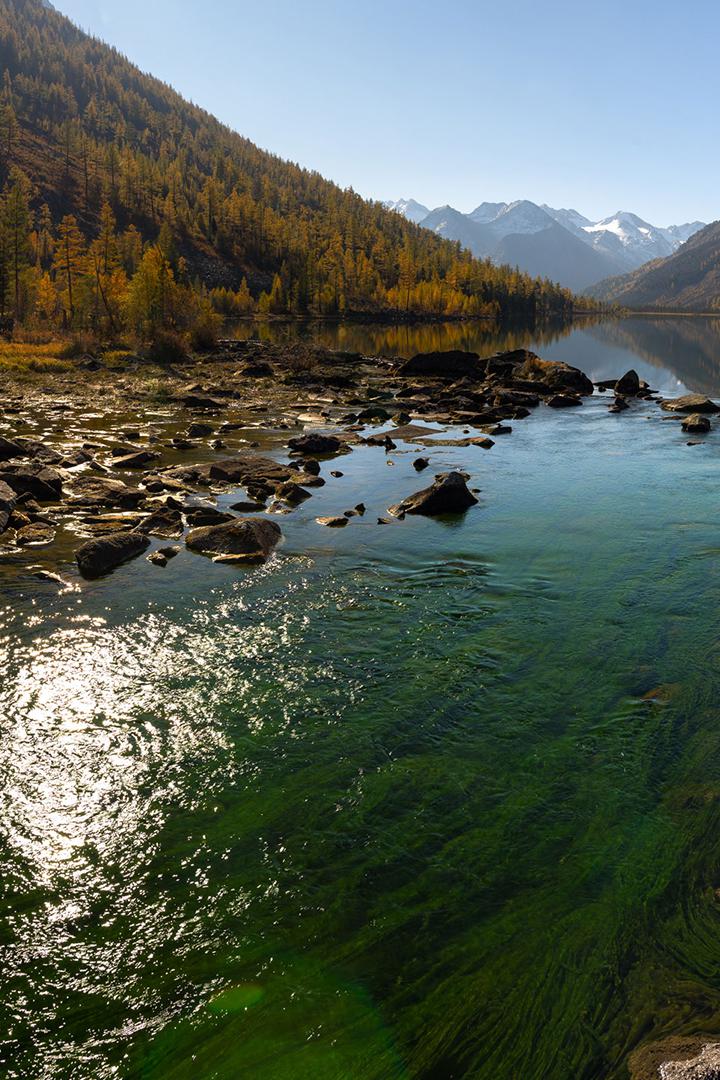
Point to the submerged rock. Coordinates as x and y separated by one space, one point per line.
102 555
333 522
242 536
448 495
704 1066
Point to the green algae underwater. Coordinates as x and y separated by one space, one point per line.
434 800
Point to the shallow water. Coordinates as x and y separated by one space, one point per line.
430 800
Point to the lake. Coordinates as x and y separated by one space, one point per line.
433 800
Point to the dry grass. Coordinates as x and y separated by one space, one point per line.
17 357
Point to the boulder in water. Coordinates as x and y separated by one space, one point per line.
100 556
448 495
241 536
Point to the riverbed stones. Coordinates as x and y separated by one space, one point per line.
35 533
696 424
41 481
200 516
166 523
691 403
242 536
317 444
8 499
136 460
100 556
420 463
449 494
88 491
564 401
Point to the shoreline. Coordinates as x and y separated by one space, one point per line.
170 439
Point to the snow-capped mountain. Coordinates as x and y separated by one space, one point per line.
630 240
561 244
413 211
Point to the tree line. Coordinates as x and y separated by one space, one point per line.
124 205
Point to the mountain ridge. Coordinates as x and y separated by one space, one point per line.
617 244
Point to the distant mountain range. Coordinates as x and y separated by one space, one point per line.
688 280
562 245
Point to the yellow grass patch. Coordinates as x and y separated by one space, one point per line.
17 357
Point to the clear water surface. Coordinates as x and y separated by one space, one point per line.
436 799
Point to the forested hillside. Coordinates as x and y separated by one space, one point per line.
689 280
121 202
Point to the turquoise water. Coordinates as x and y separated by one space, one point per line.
430 800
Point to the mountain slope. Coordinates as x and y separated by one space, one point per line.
89 129
620 243
525 235
410 209
688 280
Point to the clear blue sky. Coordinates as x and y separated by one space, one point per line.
599 106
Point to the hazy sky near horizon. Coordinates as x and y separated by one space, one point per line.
600 107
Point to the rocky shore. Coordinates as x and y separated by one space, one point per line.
97 463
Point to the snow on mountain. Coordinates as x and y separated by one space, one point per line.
410 209
621 242
681 233
487 211
570 219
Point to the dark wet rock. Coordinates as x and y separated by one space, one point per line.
628 385
411 432
248 468
8 499
310 465
89 491
35 532
449 494
137 460
242 536
619 405
157 559
198 430
166 523
696 424
247 506
383 521
10 449
554 376
40 481
445 365
131 433
360 508
207 515
333 522
563 401
374 412
420 463
336 473
202 401
255 369
103 554
692 403
170 551
316 443
292 493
